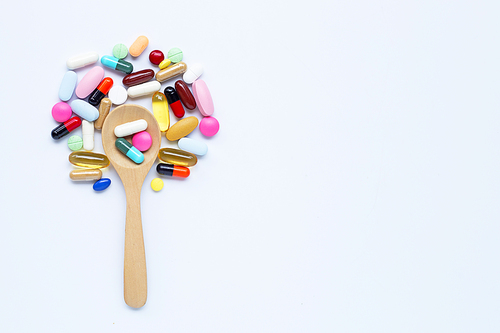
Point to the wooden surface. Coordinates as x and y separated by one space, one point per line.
132 176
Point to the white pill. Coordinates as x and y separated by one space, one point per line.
193 146
82 60
131 128
84 110
117 95
193 72
88 134
67 87
143 89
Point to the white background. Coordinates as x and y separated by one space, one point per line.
353 186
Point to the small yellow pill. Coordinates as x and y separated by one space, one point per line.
157 184
165 63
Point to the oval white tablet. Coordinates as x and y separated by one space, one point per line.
88 134
84 110
143 89
131 128
193 146
67 87
193 72
82 60
117 95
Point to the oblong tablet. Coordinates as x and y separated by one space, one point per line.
143 89
203 98
131 128
182 128
138 46
82 60
193 146
84 110
193 72
67 86
171 71
89 82
185 94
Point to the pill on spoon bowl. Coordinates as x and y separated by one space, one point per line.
142 141
130 128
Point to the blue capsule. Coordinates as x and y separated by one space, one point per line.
101 184
118 64
130 151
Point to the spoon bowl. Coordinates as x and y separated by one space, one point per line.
132 176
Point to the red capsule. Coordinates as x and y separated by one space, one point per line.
174 102
185 94
65 128
156 57
139 77
105 85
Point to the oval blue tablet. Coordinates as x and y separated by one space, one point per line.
193 146
84 110
67 87
102 184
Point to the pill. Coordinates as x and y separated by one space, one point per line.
193 146
171 72
139 77
182 128
193 72
129 150
104 108
144 89
84 110
65 128
174 54
120 51
88 134
118 95
142 141
85 175
160 111
131 128
165 63
89 82
157 184
177 157
67 87
185 94
209 126
82 60
100 92
138 46
75 143
172 170
88 159
203 98
61 112
118 64
174 102
101 184
156 56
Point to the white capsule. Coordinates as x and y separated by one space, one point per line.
88 134
82 60
131 128
143 89
84 110
193 72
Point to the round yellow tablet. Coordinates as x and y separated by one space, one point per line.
157 184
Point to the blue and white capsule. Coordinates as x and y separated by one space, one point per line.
118 64
130 151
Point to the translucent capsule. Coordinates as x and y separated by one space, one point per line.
85 174
130 151
172 170
89 160
177 157
171 71
160 110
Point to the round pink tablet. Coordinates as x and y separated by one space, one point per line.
209 126
61 112
142 141
89 82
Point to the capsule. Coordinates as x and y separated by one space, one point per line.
172 170
130 151
177 157
118 64
82 60
139 77
144 89
88 134
100 92
173 100
104 108
130 128
171 71
160 111
85 174
185 94
87 159
65 128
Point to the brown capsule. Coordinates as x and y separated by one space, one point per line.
139 77
85 174
171 71
185 94
104 108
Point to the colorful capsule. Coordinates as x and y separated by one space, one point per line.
174 101
160 110
177 157
172 170
100 92
185 94
65 128
87 159
130 151
139 77
118 64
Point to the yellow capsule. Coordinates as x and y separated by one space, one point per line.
165 63
177 157
160 110
89 160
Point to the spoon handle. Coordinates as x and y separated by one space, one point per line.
135 276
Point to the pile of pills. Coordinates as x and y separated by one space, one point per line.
91 108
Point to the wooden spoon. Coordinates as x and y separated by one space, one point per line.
132 176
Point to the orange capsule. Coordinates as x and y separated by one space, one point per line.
101 91
172 170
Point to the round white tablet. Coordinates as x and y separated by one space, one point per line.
118 95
